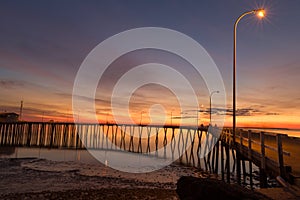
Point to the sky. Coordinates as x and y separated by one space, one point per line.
44 43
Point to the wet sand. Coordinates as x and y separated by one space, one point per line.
32 178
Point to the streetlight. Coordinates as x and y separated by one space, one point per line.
141 117
106 117
260 13
198 111
78 116
213 92
171 117
43 116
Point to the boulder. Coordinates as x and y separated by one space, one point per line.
192 188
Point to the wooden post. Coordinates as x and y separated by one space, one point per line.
148 139
217 157
165 142
156 140
241 138
5 133
29 134
131 139
250 157
213 156
238 167
199 147
42 133
13 134
192 147
2 133
222 160
244 171
178 143
140 150
250 174
233 158
249 145
52 134
122 142
280 155
263 176
228 159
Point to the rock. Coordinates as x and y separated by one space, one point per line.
192 188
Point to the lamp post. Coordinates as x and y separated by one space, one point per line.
141 119
171 118
43 116
198 111
213 92
198 118
260 13
78 116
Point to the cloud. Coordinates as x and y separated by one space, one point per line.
184 117
84 98
9 84
248 111
242 111
272 113
32 111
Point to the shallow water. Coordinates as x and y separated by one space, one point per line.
289 132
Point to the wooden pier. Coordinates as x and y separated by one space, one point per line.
202 147
263 149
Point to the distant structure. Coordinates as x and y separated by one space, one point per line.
9 117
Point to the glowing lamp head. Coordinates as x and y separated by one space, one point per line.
260 13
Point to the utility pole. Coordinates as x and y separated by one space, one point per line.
21 110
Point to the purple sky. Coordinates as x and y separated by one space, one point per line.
43 44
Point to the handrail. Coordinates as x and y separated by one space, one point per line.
267 146
240 139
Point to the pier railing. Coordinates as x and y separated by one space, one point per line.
264 149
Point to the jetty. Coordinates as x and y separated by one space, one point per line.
273 155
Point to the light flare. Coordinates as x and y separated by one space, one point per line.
261 13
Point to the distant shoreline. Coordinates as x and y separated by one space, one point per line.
271 128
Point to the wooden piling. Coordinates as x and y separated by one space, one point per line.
227 161
263 175
217 156
222 161
244 171
280 155
238 167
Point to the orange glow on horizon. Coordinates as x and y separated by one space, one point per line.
258 121
266 121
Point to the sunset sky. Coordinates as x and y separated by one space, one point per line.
43 43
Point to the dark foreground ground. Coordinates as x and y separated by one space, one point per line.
104 193
42 179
